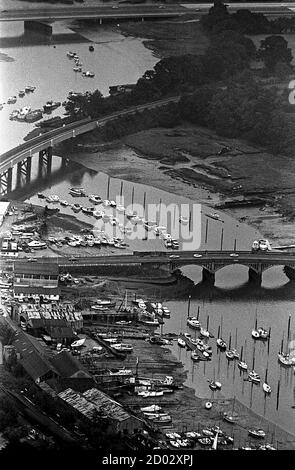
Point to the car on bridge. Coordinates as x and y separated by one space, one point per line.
174 256
234 254
197 255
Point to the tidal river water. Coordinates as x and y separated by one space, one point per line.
232 304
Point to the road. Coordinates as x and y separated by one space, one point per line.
17 154
86 12
114 10
182 257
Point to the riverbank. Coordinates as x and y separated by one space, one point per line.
171 37
185 161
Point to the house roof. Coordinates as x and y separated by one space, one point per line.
67 365
23 267
110 408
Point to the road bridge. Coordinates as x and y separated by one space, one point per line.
209 261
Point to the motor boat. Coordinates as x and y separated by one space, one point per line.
213 385
37 245
194 323
205 441
254 377
181 342
230 355
30 88
87 210
266 388
98 214
195 356
257 433
221 344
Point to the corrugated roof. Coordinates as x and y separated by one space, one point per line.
111 408
23 267
77 401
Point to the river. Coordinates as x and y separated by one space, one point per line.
232 302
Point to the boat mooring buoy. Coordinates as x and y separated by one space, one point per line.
208 405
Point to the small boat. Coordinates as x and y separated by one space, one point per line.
41 196
213 385
37 245
151 408
260 333
194 323
76 207
231 418
11 100
77 192
257 433
221 344
89 74
87 210
55 198
95 199
49 199
162 419
266 388
181 343
113 204
51 105
174 443
205 441
254 377
77 69
205 333
64 203
98 214
214 215
242 365
230 355
91 48
106 202
30 88
195 356
21 93
124 347
285 359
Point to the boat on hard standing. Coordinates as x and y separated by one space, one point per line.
87 210
76 207
257 433
95 199
64 203
77 192
231 418
195 356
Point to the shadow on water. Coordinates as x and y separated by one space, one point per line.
29 39
71 172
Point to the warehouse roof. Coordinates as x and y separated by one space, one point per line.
23 267
36 290
107 405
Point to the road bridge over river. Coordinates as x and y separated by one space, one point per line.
209 261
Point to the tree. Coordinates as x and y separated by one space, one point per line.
274 49
194 108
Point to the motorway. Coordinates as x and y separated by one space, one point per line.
182 257
17 154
